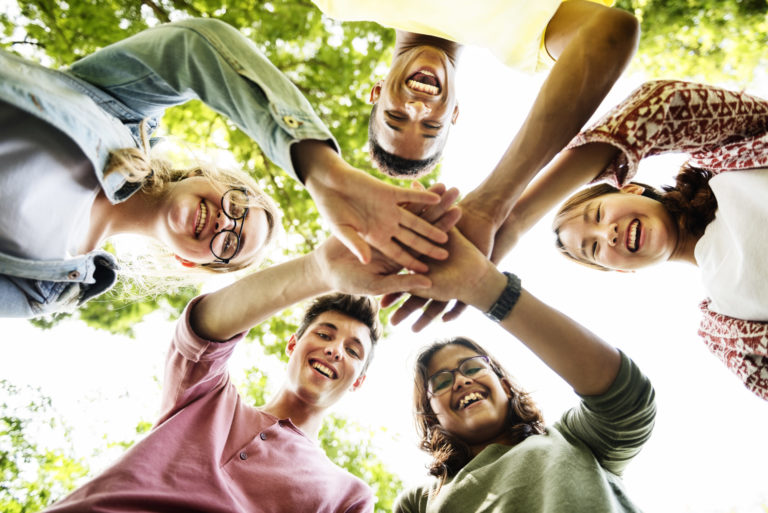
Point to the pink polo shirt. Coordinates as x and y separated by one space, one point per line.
211 452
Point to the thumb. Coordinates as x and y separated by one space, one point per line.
354 243
401 282
413 196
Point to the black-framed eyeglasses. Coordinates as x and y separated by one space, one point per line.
472 367
225 243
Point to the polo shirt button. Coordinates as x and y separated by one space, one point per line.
263 436
73 275
291 121
243 455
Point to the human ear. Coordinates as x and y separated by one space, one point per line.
633 188
376 92
455 114
358 383
291 345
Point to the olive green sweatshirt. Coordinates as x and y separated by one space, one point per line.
574 467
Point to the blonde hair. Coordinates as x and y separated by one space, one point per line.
155 172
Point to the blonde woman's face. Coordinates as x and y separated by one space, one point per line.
474 409
192 215
620 231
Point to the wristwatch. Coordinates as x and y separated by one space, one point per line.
506 300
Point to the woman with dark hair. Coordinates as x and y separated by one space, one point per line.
714 217
491 450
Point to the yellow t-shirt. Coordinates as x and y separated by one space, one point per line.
512 30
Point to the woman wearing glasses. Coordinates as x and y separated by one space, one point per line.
491 450
76 167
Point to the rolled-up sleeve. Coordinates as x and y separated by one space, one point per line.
616 424
194 366
205 59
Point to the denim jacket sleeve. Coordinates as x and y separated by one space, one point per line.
209 60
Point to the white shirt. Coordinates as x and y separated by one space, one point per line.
733 252
47 188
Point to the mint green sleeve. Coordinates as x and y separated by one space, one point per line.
616 424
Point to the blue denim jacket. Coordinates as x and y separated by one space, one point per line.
99 103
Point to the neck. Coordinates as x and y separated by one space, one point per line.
287 405
136 215
407 40
684 250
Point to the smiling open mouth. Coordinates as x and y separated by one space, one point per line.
470 398
202 219
633 235
424 81
323 369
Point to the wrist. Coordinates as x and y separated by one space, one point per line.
487 290
506 300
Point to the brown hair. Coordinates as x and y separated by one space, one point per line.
364 309
450 453
690 202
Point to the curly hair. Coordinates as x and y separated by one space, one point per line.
449 453
690 202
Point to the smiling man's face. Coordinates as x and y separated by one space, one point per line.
415 104
328 359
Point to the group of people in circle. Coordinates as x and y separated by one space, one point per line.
78 168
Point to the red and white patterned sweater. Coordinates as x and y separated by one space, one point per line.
721 130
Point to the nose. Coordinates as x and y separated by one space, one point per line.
417 108
610 234
460 380
334 352
223 222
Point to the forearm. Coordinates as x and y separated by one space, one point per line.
591 61
581 358
572 169
253 299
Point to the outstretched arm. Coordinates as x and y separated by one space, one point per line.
592 44
329 268
586 362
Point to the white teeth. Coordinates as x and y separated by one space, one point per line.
469 399
632 235
428 73
323 369
424 88
201 221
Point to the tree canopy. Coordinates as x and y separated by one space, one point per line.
334 65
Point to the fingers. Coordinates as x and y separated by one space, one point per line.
410 305
414 196
449 219
428 315
349 237
390 299
398 282
455 312
395 252
432 213
421 227
422 246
